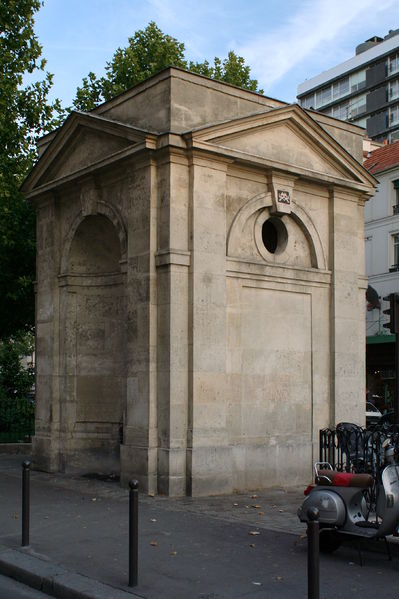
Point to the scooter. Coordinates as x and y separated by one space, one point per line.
340 498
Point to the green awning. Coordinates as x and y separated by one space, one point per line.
374 339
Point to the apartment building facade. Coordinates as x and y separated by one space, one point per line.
382 268
363 90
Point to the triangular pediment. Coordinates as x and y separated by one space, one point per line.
87 147
83 141
286 138
283 142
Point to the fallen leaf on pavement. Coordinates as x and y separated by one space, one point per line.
261 513
235 504
252 545
256 506
254 497
153 519
254 532
154 543
173 553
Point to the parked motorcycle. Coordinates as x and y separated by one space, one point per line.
341 499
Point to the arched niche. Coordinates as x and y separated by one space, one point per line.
95 247
93 333
299 242
104 216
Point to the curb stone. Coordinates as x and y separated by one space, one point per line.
55 580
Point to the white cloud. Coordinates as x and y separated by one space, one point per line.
316 22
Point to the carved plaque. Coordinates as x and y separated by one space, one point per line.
283 196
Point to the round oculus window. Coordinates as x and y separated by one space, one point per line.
274 235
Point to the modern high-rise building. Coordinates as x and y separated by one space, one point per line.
363 90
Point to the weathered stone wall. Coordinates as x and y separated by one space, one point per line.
177 101
278 332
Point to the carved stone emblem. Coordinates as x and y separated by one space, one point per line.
283 196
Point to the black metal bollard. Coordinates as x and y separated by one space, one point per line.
133 531
25 502
313 553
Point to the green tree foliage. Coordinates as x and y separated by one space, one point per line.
17 377
16 369
24 115
149 51
231 70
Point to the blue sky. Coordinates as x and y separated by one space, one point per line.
284 41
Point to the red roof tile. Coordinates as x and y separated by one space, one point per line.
383 158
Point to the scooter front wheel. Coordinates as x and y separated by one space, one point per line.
329 541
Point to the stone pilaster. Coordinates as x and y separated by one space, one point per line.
139 449
173 262
209 455
47 442
347 308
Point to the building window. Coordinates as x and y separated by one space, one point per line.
361 122
349 109
395 262
395 208
274 235
337 90
393 115
369 254
357 106
393 90
308 101
393 64
358 80
394 136
340 88
340 111
323 96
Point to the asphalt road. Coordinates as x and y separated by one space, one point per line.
244 546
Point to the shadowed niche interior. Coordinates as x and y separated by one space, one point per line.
95 248
95 343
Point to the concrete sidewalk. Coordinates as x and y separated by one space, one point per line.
210 548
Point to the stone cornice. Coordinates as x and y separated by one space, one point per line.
89 170
172 256
268 164
251 270
87 280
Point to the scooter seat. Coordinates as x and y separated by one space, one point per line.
344 479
